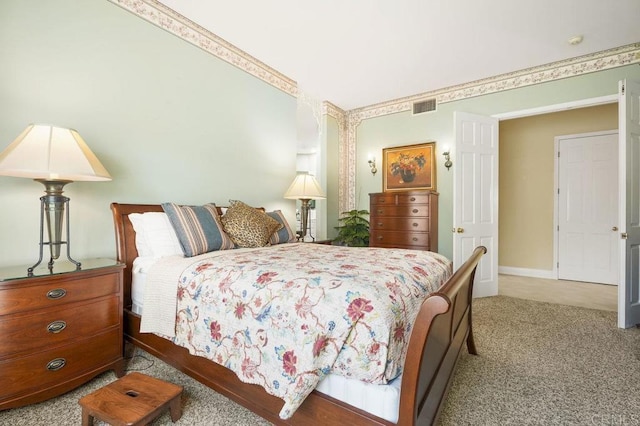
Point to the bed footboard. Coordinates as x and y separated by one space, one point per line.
442 327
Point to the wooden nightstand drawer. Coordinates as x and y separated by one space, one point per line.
29 333
56 291
29 374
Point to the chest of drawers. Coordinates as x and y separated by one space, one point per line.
58 330
404 219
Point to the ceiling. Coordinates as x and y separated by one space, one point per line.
356 53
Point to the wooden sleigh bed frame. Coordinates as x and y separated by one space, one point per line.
442 327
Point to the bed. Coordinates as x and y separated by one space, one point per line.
442 327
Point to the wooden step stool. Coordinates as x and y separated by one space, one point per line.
133 400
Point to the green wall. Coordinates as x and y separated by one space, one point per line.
169 121
331 150
403 129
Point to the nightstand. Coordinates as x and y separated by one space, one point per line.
325 242
59 328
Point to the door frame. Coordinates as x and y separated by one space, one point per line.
580 103
556 186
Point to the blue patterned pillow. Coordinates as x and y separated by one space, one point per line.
198 228
285 234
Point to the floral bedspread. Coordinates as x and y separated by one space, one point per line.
285 316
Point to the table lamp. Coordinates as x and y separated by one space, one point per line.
304 188
53 156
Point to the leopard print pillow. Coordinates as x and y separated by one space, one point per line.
248 227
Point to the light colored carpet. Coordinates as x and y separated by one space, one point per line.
539 364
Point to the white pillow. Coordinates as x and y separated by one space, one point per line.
155 236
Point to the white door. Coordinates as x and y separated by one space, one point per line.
475 195
588 237
629 187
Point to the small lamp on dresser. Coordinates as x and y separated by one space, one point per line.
53 156
304 188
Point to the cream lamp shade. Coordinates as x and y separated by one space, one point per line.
51 153
53 156
304 186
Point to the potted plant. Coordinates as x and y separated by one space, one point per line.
354 229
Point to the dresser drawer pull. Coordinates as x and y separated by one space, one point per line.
415 224
57 293
380 211
415 210
380 237
56 326
56 364
380 224
414 239
413 198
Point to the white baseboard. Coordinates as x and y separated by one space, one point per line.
524 272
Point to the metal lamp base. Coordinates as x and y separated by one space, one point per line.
56 206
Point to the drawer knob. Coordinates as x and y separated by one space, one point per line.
415 224
415 239
380 224
413 198
415 210
56 293
56 364
56 326
380 211
380 237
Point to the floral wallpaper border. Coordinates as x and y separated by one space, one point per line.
169 20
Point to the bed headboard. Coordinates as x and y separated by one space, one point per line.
126 250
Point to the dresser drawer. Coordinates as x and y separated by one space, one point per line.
75 287
417 224
31 373
383 199
28 333
399 199
413 199
411 211
399 238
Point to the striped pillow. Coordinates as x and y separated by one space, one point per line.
285 234
198 228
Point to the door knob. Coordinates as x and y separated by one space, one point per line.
615 228
460 230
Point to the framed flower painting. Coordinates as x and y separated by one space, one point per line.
409 167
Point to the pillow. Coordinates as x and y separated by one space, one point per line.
198 228
155 236
248 227
285 234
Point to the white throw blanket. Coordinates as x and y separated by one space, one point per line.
161 292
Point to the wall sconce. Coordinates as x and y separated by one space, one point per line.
372 165
447 157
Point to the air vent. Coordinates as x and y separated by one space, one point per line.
427 105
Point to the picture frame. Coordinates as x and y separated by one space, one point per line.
409 167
